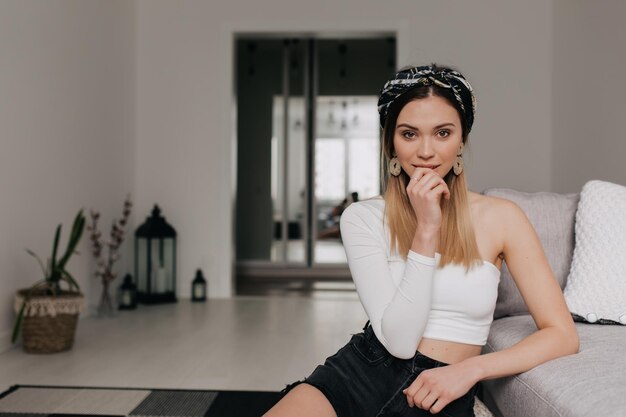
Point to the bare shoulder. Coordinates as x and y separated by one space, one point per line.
515 227
492 215
493 209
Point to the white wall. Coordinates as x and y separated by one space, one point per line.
65 129
589 87
185 103
101 98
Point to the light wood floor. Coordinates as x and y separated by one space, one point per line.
244 343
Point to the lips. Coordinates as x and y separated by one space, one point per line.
426 166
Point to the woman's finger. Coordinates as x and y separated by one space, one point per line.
412 389
438 406
418 397
415 184
419 172
422 176
426 183
442 189
429 400
422 170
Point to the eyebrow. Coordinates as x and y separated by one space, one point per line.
414 128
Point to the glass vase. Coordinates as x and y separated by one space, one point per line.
105 306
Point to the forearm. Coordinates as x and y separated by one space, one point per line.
425 241
537 348
404 319
397 306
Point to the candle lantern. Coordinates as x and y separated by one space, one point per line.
198 287
128 294
155 260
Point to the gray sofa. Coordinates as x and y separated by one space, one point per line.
589 383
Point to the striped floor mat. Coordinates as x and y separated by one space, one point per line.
57 401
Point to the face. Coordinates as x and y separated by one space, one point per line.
428 132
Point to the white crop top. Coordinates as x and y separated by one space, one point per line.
406 301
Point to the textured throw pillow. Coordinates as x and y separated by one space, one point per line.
552 216
596 285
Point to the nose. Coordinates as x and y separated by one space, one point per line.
425 149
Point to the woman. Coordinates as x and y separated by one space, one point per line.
426 263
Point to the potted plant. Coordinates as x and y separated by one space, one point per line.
47 315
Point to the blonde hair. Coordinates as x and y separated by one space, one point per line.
457 242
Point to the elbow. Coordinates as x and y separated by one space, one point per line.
574 341
402 350
404 353
399 350
400 341
572 344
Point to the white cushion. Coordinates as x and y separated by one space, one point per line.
596 286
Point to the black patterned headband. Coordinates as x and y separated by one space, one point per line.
408 79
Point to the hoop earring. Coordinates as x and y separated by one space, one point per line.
458 163
394 166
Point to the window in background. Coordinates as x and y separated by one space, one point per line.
347 148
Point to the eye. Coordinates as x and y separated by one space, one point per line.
444 133
408 134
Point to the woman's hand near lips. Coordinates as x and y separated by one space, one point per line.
425 190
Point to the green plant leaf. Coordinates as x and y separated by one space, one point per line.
43 268
55 245
71 281
18 322
75 235
40 283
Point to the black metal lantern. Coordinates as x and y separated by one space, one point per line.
155 260
198 287
128 294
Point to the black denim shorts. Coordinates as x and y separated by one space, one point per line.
363 379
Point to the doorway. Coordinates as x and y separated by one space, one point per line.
308 145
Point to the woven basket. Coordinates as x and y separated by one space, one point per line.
49 323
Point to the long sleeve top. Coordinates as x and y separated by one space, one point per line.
398 309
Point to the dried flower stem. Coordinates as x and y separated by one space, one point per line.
105 267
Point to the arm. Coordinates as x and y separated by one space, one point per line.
540 290
533 276
398 314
